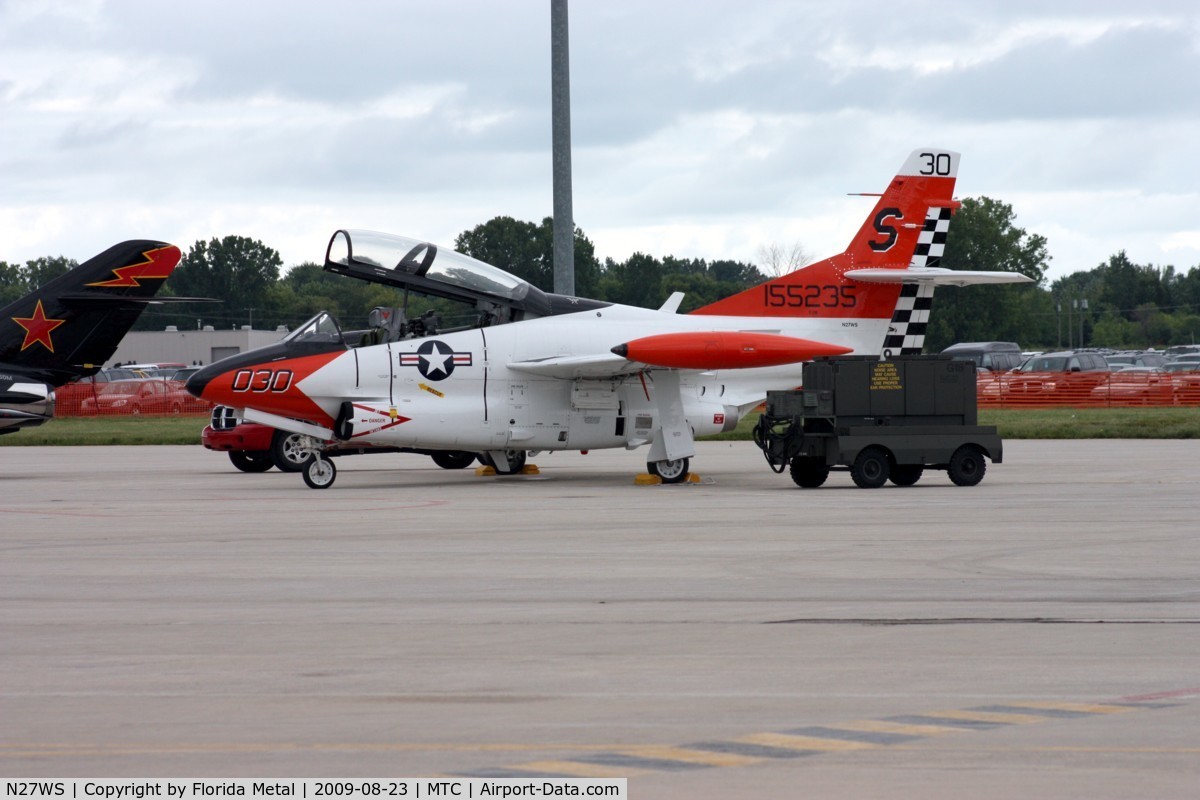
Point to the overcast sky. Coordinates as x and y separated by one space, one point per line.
701 128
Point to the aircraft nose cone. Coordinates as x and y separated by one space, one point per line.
200 380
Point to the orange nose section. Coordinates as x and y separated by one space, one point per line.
271 386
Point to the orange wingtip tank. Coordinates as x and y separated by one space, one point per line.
724 350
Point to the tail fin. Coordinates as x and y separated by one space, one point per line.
906 228
72 325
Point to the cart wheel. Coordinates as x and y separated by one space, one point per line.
967 465
906 474
871 468
809 473
320 473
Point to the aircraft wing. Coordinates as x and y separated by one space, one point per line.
605 365
938 276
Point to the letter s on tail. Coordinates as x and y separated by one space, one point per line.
906 228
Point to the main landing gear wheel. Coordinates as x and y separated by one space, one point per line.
871 469
967 466
251 460
670 471
809 473
288 451
516 462
453 459
320 473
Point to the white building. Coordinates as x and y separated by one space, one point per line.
190 347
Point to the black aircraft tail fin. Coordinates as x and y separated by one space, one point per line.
72 325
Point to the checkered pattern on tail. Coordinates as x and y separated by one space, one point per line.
906 331
932 241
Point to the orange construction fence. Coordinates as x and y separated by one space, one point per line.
1087 389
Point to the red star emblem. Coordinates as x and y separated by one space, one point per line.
38 328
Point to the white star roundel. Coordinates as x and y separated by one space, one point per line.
435 360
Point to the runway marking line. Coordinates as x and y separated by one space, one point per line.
884 726
1082 708
845 737
575 769
972 715
625 760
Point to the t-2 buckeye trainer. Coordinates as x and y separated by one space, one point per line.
538 371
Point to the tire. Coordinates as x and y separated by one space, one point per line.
906 474
251 460
670 471
871 468
967 465
319 473
286 452
809 473
516 462
453 459
177 408
136 410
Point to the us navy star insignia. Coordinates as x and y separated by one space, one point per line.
435 360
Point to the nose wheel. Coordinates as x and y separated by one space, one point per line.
320 473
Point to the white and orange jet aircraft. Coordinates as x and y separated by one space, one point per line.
537 371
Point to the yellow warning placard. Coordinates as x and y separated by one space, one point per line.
884 375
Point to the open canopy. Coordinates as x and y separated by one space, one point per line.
402 256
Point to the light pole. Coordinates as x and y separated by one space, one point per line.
560 126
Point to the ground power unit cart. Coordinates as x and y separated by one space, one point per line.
879 420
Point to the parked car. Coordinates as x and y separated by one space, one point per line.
128 397
179 400
256 448
183 374
1123 360
1182 366
1189 361
1136 386
1178 350
1066 375
995 356
252 447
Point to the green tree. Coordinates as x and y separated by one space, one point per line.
983 236
16 280
636 281
236 270
12 283
527 251
1113 331
40 271
1126 287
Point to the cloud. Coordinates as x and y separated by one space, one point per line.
703 124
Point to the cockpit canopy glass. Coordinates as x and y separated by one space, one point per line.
402 255
321 328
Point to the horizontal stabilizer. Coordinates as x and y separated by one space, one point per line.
99 298
937 276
